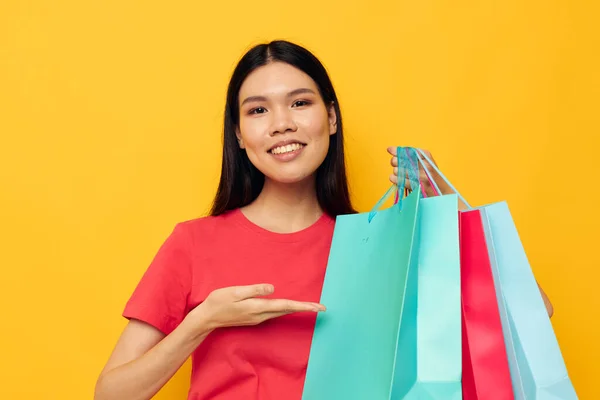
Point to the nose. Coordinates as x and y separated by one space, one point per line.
282 122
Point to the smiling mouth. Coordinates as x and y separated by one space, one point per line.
288 148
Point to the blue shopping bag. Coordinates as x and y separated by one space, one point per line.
536 364
537 367
391 276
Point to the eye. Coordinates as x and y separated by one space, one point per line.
257 110
300 103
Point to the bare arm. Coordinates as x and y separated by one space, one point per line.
144 359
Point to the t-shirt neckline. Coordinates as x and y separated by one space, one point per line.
309 231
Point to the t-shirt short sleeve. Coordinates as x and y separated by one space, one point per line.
160 298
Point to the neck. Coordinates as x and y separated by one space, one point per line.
285 208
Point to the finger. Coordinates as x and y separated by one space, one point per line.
271 315
395 171
393 150
394 180
287 306
394 161
246 292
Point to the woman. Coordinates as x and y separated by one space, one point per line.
239 289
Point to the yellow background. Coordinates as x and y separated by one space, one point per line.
110 122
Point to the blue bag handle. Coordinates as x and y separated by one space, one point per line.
408 166
404 170
422 153
415 161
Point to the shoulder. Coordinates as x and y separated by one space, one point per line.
189 238
208 222
207 227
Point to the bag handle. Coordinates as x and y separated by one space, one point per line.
415 165
422 153
403 171
436 189
408 167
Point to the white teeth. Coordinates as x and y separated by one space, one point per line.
286 149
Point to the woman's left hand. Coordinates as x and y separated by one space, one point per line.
445 189
422 175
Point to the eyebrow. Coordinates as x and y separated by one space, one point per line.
290 94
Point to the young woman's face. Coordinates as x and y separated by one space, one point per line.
284 123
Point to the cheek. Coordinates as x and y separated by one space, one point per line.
318 129
317 125
251 132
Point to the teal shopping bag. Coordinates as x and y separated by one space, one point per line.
537 367
378 339
353 350
429 355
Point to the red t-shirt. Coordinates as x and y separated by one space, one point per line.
266 361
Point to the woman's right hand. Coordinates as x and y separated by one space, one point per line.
243 306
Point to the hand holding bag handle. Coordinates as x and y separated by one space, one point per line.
408 169
405 172
413 165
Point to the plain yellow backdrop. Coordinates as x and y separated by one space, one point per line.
110 122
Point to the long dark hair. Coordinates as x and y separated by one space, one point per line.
241 182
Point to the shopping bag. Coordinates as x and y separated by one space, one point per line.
485 369
429 361
486 374
374 342
536 364
353 349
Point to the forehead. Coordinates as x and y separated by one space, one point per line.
275 78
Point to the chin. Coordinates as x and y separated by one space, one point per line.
290 177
